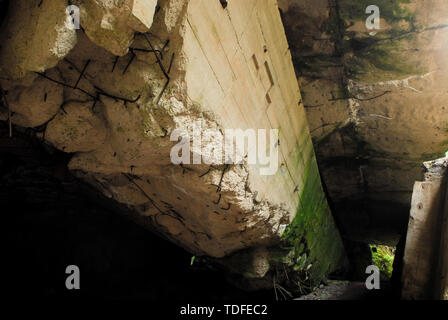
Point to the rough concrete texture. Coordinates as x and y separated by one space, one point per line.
225 68
423 271
111 24
376 105
22 100
37 42
76 129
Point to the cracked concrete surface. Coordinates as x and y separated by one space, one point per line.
113 92
376 103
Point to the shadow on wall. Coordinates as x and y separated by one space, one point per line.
371 222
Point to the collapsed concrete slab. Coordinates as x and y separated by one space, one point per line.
199 64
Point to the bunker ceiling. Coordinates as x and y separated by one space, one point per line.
377 104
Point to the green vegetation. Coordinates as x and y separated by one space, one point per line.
314 63
378 60
312 241
364 56
383 258
391 11
377 56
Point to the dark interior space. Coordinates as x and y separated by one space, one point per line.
363 222
4 4
53 220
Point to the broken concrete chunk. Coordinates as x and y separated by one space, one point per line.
142 15
76 129
34 105
112 24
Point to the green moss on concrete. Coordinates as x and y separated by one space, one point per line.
444 143
366 57
312 239
392 11
377 58
315 63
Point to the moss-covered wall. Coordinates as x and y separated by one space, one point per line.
228 47
376 56
313 238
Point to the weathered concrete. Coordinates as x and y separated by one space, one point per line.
424 275
111 24
227 69
376 104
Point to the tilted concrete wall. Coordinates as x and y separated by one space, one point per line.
240 69
424 264
228 68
